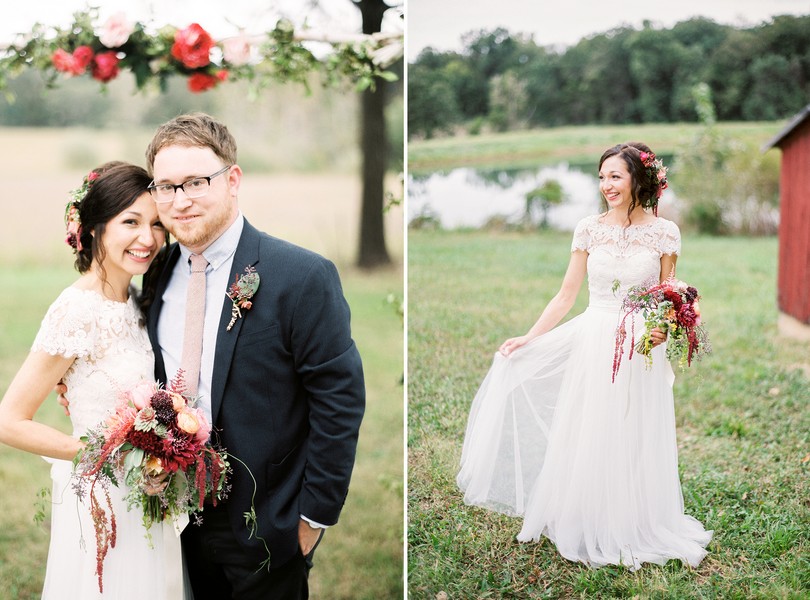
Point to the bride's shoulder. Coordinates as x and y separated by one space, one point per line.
667 226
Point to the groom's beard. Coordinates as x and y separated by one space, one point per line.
207 225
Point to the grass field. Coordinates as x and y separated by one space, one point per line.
577 145
742 417
361 557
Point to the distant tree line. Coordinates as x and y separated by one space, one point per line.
506 81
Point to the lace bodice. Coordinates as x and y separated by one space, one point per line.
112 351
630 255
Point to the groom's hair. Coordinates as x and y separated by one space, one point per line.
193 130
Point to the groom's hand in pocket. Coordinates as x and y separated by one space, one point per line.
307 536
61 398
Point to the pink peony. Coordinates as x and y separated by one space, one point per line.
116 31
236 50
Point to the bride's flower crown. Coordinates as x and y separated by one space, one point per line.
73 221
658 175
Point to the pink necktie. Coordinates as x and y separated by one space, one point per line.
195 319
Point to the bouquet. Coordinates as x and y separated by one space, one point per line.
156 442
671 306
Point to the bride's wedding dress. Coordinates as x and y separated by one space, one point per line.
590 464
113 354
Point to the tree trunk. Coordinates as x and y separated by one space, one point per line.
374 146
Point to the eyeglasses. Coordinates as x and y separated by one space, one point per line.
163 193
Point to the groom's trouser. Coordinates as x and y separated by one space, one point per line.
219 568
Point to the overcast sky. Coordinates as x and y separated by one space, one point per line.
220 17
441 23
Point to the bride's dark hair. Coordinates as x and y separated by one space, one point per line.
116 188
644 188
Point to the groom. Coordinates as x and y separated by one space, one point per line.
282 384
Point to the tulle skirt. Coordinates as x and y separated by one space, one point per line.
589 463
136 568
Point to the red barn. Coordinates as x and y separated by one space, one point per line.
794 222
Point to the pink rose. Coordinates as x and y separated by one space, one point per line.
236 50
204 432
116 31
192 46
105 66
141 394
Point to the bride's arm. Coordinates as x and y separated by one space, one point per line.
558 306
36 378
668 265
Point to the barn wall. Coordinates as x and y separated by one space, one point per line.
794 224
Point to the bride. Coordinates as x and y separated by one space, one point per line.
589 463
93 338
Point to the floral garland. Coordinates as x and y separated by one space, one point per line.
104 50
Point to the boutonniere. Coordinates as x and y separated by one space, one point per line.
241 291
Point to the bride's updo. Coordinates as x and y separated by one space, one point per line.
648 174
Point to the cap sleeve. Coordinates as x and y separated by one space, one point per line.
670 240
68 327
582 235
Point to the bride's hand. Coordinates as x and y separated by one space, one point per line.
658 336
61 397
513 344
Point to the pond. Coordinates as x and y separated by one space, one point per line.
470 198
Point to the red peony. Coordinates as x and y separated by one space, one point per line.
83 56
687 316
192 46
199 82
105 66
62 61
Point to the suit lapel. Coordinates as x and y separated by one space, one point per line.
247 254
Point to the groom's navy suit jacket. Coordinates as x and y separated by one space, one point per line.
287 392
